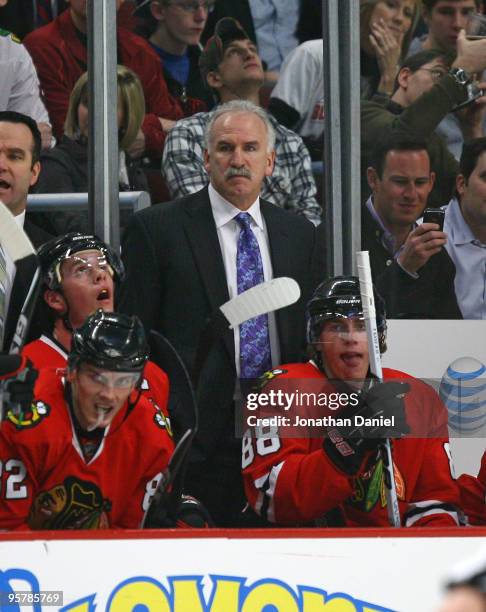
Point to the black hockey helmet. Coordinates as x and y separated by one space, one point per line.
55 251
112 341
340 297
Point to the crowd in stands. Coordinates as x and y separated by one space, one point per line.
222 103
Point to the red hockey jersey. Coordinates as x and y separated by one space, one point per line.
45 352
473 495
291 480
46 483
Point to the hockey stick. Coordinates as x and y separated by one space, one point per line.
369 313
261 299
166 357
18 247
253 302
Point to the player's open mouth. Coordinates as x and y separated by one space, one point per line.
4 184
103 410
104 294
352 359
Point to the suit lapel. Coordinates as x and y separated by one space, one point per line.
23 276
202 237
278 238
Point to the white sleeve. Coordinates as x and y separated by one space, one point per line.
299 75
19 82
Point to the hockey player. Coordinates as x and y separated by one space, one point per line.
80 273
90 453
335 476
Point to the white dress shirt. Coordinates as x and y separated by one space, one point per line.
469 257
228 230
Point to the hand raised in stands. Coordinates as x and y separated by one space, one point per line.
422 242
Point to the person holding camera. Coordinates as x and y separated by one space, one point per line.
427 88
410 267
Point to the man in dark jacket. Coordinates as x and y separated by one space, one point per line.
410 267
20 145
426 91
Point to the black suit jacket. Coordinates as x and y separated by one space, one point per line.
23 277
430 296
176 280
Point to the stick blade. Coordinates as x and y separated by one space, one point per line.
12 238
266 297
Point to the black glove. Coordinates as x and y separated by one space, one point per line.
190 513
18 384
348 446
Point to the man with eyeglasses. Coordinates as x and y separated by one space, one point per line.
444 20
174 32
427 88
59 51
89 452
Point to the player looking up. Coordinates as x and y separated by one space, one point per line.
80 273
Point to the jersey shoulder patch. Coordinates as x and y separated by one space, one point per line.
6 33
162 421
268 376
31 417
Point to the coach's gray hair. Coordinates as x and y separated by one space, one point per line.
241 106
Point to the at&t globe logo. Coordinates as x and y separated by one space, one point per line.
463 391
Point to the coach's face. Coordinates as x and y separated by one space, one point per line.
238 158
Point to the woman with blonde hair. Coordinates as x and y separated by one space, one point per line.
64 169
386 30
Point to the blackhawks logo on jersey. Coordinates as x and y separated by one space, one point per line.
267 377
162 421
72 504
23 419
369 489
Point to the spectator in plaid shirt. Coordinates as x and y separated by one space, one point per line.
233 70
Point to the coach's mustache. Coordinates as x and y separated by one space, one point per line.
237 172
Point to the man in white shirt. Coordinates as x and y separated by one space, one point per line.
182 260
19 85
465 225
20 145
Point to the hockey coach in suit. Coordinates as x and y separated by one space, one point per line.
182 264
20 146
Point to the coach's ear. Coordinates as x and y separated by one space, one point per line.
207 162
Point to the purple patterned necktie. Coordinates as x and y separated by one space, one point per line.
255 358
